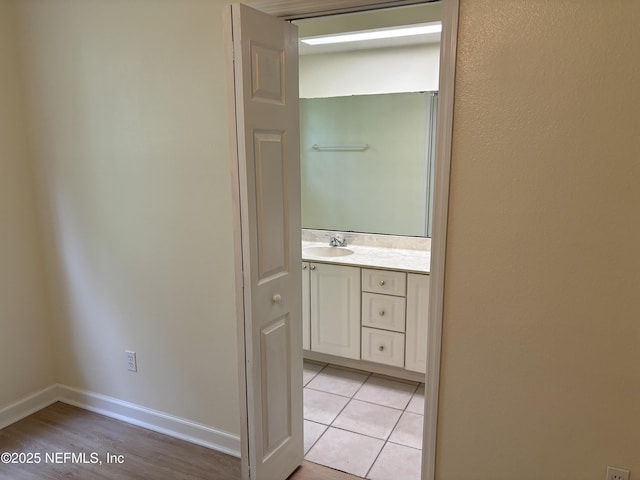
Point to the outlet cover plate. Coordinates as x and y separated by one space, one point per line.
614 473
132 363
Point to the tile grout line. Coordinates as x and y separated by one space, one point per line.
331 393
314 375
386 440
350 398
368 402
317 439
338 414
303 419
403 445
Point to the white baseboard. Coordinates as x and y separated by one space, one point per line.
127 412
152 420
28 405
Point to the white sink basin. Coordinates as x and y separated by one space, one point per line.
326 251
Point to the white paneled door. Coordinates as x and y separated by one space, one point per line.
266 146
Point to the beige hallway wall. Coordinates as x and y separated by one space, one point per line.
541 365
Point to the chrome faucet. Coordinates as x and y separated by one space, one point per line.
337 240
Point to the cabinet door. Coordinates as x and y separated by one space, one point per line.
417 318
335 310
306 307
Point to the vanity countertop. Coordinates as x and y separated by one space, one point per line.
387 258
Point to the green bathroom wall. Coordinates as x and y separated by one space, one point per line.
380 190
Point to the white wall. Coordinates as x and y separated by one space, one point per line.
389 70
127 108
381 18
26 358
540 363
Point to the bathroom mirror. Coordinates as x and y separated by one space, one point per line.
367 161
367 121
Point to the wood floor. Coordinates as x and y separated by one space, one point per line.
143 454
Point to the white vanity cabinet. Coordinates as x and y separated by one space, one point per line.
335 309
370 314
383 316
417 319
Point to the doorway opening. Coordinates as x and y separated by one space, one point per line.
368 112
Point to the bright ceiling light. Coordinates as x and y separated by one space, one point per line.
422 29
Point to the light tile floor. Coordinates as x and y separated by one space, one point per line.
362 423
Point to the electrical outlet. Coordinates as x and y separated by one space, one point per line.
614 473
132 364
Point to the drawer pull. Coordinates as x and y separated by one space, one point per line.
382 313
381 348
381 283
313 267
304 267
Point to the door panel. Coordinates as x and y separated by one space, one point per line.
276 384
267 74
267 167
271 204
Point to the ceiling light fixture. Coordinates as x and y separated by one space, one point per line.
422 29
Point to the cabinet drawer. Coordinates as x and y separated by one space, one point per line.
383 311
381 346
384 281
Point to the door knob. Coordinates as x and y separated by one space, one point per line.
381 283
382 313
304 267
276 298
381 348
313 267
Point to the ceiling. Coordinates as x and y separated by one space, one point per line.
370 20
305 49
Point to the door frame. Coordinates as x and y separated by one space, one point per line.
298 9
